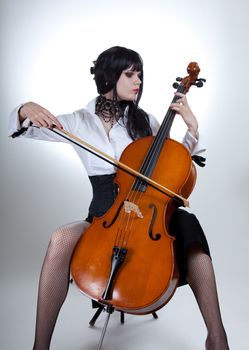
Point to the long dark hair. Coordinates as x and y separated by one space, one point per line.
107 70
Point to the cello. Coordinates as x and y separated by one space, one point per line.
125 259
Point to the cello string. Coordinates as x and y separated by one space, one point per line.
162 133
125 220
135 195
159 139
145 168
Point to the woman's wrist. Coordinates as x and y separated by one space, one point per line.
193 131
21 115
193 126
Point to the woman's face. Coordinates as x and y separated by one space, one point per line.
128 85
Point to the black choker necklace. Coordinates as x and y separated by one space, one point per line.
108 110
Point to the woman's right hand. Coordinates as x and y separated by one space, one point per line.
38 115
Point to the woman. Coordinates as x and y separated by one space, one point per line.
110 122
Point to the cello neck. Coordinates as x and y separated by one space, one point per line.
166 125
156 146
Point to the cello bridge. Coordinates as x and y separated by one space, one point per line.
129 207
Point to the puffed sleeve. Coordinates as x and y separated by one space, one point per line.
14 122
194 145
15 128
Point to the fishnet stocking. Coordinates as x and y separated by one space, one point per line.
202 281
54 281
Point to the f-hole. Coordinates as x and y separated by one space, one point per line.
157 236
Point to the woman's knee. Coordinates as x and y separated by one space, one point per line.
68 235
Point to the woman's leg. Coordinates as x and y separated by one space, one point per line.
54 281
201 278
196 268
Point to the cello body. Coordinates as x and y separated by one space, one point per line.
148 276
125 259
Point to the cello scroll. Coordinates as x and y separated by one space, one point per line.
193 70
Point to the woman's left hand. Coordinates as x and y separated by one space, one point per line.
182 107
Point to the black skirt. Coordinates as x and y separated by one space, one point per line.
183 225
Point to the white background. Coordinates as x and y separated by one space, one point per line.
47 49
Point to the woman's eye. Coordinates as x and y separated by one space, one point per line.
129 74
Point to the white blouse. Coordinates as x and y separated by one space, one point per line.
86 125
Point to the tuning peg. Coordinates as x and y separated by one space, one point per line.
176 85
199 82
